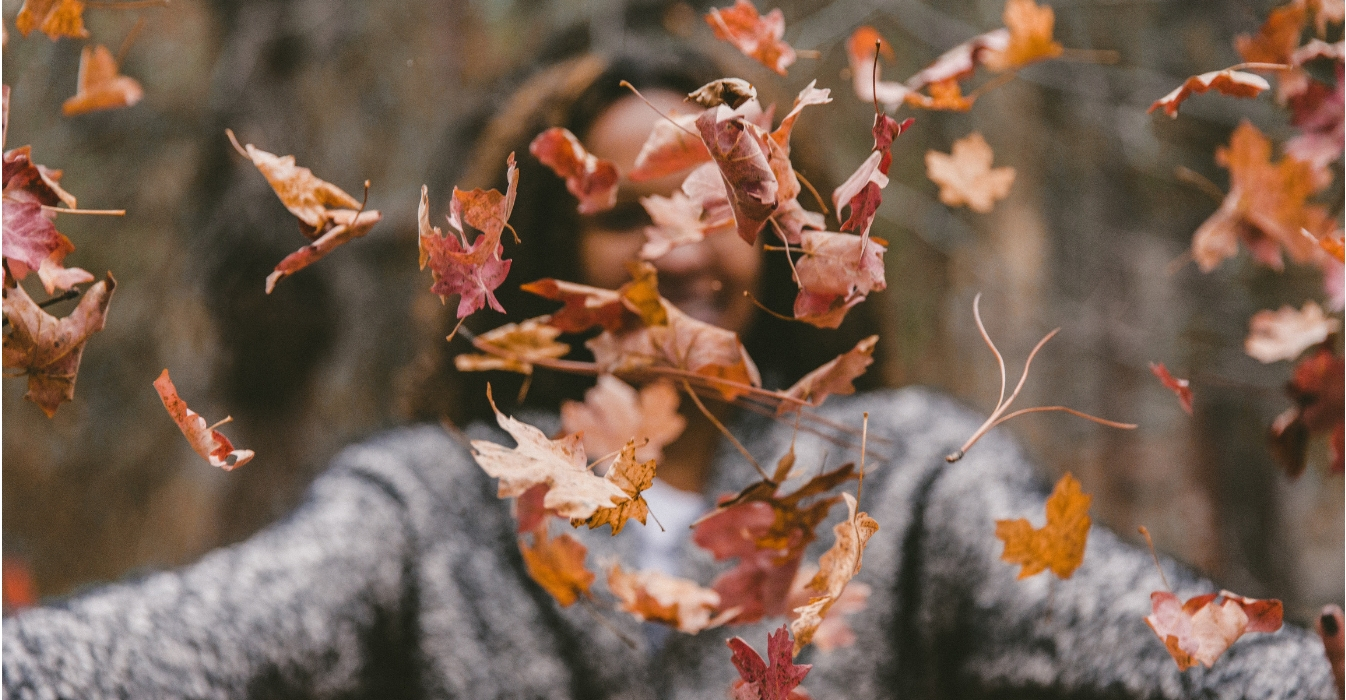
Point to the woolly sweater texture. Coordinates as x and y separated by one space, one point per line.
400 577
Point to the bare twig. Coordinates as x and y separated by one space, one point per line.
725 431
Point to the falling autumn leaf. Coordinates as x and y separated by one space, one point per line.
519 345
327 215
834 377
585 306
757 36
1181 388
557 565
592 180
474 270
1201 629
631 476
1226 82
1059 545
740 149
654 596
960 61
1277 38
836 568
863 190
1320 116
211 444
574 492
836 272
672 146
31 241
99 86
677 221
1317 388
757 680
966 177
613 412
1284 334
1030 36
731 92
55 18
48 349
833 632
1266 207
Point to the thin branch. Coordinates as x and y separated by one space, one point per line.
817 197
742 450
130 38
990 85
1071 411
864 440
590 607
811 54
234 140
763 307
1000 360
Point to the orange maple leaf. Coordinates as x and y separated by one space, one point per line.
55 18
1059 545
757 36
99 86
557 564
48 349
519 344
1030 36
1277 38
965 177
208 442
654 596
632 477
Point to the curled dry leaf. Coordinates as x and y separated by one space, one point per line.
211 444
632 477
520 344
1226 82
1317 388
767 532
55 18
960 61
757 36
836 568
99 86
613 413
1181 388
1030 36
732 92
48 349
1059 545
966 177
557 564
327 215
1284 334
1201 629
672 146
654 596
573 491
473 270
835 377
592 180
740 150
863 190
836 272
757 680
1266 207
833 632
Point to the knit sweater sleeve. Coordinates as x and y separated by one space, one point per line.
307 608
983 632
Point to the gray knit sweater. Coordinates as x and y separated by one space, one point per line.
399 577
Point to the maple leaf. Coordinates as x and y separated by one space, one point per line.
55 18
1284 334
966 177
613 412
677 221
208 442
863 190
834 377
557 564
327 215
1199 630
592 180
31 241
1266 206
520 345
1226 82
631 476
1277 38
1059 545
757 36
1030 36
654 596
1317 388
585 306
833 632
836 272
99 86
1182 388
763 682
472 271
837 566
862 50
672 146
573 491
740 150
767 532
48 349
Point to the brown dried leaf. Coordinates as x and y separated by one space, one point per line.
1201 629
1226 82
526 342
836 272
632 477
557 564
836 568
966 177
592 180
1059 545
757 36
835 377
48 349
99 86
211 444
654 596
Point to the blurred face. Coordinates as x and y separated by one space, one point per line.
707 279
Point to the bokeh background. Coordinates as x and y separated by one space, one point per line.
1091 238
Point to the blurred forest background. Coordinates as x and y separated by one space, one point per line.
1087 240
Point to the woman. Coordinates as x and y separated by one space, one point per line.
400 576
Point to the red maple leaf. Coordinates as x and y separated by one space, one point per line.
762 682
471 270
592 180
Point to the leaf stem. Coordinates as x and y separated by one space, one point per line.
86 212
1153 555
681 128
725 431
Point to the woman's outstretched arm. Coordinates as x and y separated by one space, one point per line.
307 608
982 632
